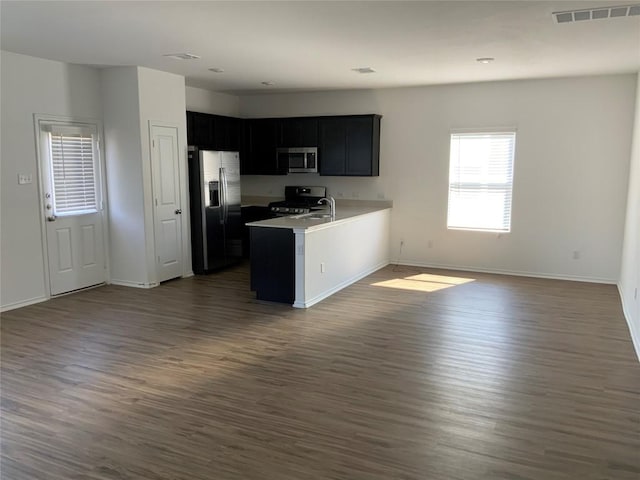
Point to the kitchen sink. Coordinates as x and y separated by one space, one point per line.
312 216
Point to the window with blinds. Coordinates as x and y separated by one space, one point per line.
481 181
73 172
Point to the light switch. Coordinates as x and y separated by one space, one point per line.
25 178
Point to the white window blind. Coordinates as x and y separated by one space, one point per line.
481 181
73 172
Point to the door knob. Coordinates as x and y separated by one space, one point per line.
178 211
51 218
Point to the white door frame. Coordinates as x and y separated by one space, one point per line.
185 224
81 121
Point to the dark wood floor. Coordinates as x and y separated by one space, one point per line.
497 378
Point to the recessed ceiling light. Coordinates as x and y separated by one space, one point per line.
216 70
181 56
485 59
267 83
364 70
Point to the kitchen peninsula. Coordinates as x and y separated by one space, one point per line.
303 259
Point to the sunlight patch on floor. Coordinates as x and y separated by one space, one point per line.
423 282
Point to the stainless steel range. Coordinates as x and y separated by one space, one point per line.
299 200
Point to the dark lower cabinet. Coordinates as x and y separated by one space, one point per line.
349 145
273 264
252 213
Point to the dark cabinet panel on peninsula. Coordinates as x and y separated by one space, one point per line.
273 264
349 145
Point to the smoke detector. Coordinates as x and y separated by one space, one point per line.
596 13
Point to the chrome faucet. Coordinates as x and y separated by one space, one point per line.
332 205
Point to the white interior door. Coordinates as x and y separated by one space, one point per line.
168 209
73 206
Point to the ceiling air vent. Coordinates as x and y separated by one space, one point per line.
181 56
597 13
364 70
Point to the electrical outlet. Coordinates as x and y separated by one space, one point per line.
322 267
25 178
576 254
430 244
402 243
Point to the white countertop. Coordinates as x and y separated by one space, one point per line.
304 222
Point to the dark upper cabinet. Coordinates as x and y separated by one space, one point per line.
298 132
349 145
227 133
200 129
216 132
262 140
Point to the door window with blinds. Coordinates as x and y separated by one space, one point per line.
73 168
481 181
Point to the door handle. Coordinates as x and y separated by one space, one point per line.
51 218
178 211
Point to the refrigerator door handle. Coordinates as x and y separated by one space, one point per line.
223 195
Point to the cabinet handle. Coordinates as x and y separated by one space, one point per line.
178 211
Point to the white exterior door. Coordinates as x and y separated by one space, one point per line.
72 198
167 205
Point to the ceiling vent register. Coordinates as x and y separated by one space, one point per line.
597 13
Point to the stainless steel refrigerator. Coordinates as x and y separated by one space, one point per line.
216 224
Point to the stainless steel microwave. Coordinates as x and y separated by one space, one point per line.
298 160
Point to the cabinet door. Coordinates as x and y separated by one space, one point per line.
263 136
226 133
359 146
332 153
190 136
202 129
298 132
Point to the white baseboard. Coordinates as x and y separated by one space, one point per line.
633 330
340 286
187 275
24 303
551 276
126 283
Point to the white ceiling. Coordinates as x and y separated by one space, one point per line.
308 45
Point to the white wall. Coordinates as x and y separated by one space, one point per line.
134 97
348 251
162 99
571 169
206 101
123 151
28 86
630 270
